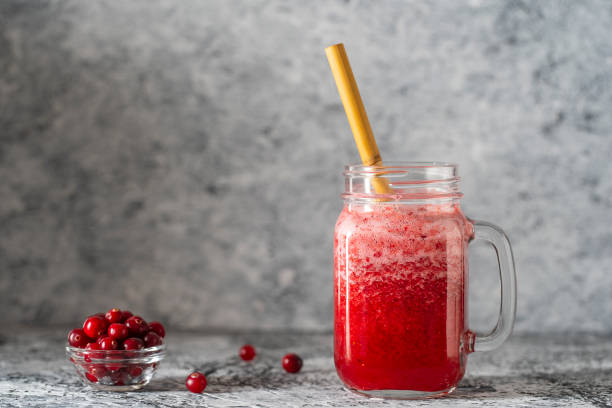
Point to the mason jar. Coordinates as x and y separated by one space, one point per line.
400 281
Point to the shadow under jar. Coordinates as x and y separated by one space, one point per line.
400 281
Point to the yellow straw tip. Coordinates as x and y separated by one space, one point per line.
331 47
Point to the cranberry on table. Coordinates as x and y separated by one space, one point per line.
152 339
133 343
106 343
196 382
78 338
158 328
137 326
114 316
118 331
95 326
247 352
125 314
292 363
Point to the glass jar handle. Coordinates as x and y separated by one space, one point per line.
484 231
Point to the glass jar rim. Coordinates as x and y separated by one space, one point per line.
409 180
390 167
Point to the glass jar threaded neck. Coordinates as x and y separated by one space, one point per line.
406 182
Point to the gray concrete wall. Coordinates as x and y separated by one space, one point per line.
184 158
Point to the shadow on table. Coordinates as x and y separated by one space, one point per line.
229 383
233 375
590 386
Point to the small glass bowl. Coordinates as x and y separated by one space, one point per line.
116 370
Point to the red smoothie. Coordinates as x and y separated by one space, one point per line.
399 285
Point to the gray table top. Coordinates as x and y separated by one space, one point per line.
529 370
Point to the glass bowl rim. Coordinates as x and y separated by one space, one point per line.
128 353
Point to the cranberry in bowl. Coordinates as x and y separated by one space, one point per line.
111 356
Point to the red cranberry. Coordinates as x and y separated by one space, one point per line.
114 367
114 316
78 338
97 371
106 343
133 343
152 339
117 377
196 382
102 315
247 352
135 371
125 314
94 326
93 347
292 363
118 331
158 328
91 377
137 326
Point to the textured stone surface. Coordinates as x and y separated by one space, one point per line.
528 371
181 157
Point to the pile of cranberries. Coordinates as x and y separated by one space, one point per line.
115 330
196 382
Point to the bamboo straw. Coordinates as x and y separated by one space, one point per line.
356 114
